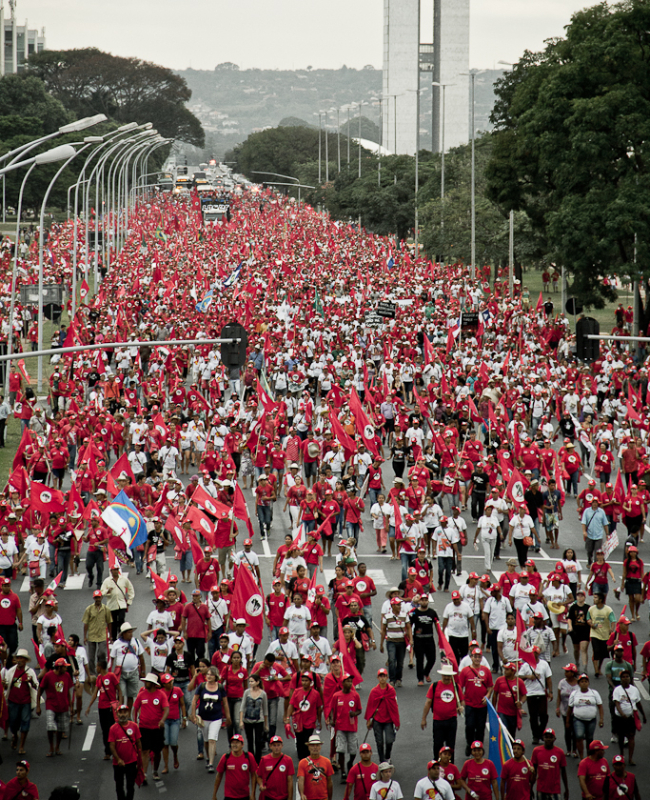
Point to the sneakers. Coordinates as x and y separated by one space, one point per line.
614 739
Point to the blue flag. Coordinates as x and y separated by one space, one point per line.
233 277
205 304
125 519
500 749
390 263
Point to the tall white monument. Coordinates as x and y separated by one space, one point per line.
410 64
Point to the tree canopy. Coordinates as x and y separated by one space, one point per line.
570 148
88 81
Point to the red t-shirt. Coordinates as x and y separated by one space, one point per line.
174 699
449 772
518 776
276 783
315 771
479 777
626 785
57 691
342 706
106 689
151 706
9 605
234 680
306 704
445 699
506 692
475 684
19 690
595 774
238 771
363 585
548 762
277 605
125 739
196 620
361 778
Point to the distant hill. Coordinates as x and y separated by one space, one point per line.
231 103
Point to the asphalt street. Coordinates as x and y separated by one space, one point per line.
82 764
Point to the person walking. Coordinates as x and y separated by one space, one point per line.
120 594
151 708
275 773
595 528
254 716
382 715
209 711
446 700
315 773
22 686
584 710
125 744
97 625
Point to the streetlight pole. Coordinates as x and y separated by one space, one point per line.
381 130
348 132
511 251
338 136
473 253
320 146
327 158
360 104
417 159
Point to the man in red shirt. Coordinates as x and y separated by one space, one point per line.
264 498
237 769
345 708
345 600
11 616
315 773
275 772
382 715
516 775
57 685
475 681
593 771
446 699
20 788
151 708
276 605
362 775
306 706
196 625
550 764
124 741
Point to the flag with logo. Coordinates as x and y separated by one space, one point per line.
500 749
205 304
125 519
233 277
248 602
50 501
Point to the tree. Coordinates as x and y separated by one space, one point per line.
571 146
89 81
24 97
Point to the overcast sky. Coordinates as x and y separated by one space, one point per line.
284 34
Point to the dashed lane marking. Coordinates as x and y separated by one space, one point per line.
90 735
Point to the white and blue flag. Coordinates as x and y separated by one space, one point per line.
233 277
205 304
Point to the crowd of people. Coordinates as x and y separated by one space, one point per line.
455 418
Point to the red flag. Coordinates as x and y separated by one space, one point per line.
240 510
197 552
23 371
55 582
619 491
19 480
473 411
83 290
91 510
349 664
40 660
209 503
159 425
74 503
25 441
633 415
515 489
45 499
121 466
429 352
201 524
540 303
524 654
171 525
422 404
247 602
160 584
362 423
346 441
445 647
113 563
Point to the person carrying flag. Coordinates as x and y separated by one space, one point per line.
517 774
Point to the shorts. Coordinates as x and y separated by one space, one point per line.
211 728
390 424
58 472
311 468
58 721
172 727
347 742
130 683
600 649
564 625
625 727
153 739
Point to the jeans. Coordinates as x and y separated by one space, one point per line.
538 714
572 482
213 642
310 525
460 646
374 494
494 647
475 724
137 557
445 566
591 545
510 723
407 559
396 652
63 563
384 739
126 773
273 703
444 733
424 648
255 738
584 729
20 717
353 531
264 518
95 559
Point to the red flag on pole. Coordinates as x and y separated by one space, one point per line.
445 647
349 664
524 654
240 510
209 503
40 660
346 441
23 371
160 584
247 602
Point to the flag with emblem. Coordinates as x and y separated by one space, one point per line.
55 582
500 749
125 519
209 503
45 499
248 603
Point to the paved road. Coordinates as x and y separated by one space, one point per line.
82 764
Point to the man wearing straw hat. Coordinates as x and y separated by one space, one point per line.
446 699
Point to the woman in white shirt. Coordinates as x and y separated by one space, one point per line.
488 528
521 530
380 523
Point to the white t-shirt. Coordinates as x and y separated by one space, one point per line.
535 686
381 790
509 640
458 619
160 619
472 596
125 654
585 704
47 622
441 789
297 619
444 539
319 651
628 701
521 526
8 550
488 527
284 654
159 652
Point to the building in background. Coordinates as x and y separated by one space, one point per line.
19 41
411 64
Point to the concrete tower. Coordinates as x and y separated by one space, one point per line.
410 63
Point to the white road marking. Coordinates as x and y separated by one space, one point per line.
378 577
330 574
542 554
461 579
642 690
90 735
267 549
74 582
